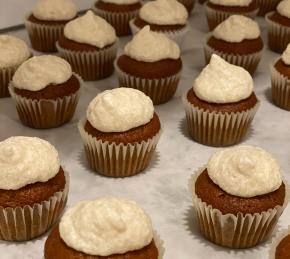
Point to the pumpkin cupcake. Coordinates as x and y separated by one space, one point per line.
46 22
280 247
266 6
221 104
33 188
237 40
239 196
120 132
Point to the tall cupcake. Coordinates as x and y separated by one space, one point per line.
33 188
118 13
238 41
166 16
152 64
239 196
89 44
45 91
219 10
46 22
266 6
13 52
120 132
104 228
280 247
221 104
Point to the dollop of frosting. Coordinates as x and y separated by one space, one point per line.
283 8
121 2
236 29
106 226
26 160
286 55
119 110
245 171
13 51
38 72
149 46
164 12
231 2
222 82
54 10
90 29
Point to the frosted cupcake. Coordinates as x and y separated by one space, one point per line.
266 6
33 188
46 22
151 63
239 196
45 91
221 104
280 247
89 44
13 52
238 41
120 132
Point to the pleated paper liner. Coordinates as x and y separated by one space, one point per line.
6 75
234 231
28 222
46 113
159 244
278 35
117 160
216 128
189 4
266 6
160 90
276 240
91 65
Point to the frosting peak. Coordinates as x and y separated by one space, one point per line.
283 8
231 2
286 55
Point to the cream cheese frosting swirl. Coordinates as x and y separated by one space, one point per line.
231 2
245 171
286 55
164 12
149 46
121 2
38 72
222 82
236 29
283 8
90 29
106 226
26 160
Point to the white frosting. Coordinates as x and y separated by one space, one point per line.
245 171
231 2
236 29
106 226
164 12
286 55
121 2
119 110
55 10
38 72
26 160
222 82
90 29
283 8
13 51
149 46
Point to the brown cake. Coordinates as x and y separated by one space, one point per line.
283 248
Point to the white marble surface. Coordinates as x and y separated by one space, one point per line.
162 188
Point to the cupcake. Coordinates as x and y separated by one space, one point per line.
266 6
89 44
118 13
278 26
45 91
46 22
33 188
13 52
239 196
152 64
280 247
104 228
120 132
188 4
219 10
238 41
221 104
165 16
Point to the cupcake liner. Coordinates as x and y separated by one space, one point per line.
159 244
276 240
266 6
46 113
234 231
217 128
91 65
6 75
189 4
160 90
28 222
117 160
278 35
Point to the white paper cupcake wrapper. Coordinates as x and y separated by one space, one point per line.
234 231
266 6
117 160
276 240
28 222
6 75
160 90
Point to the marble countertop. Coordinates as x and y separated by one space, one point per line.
162 189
